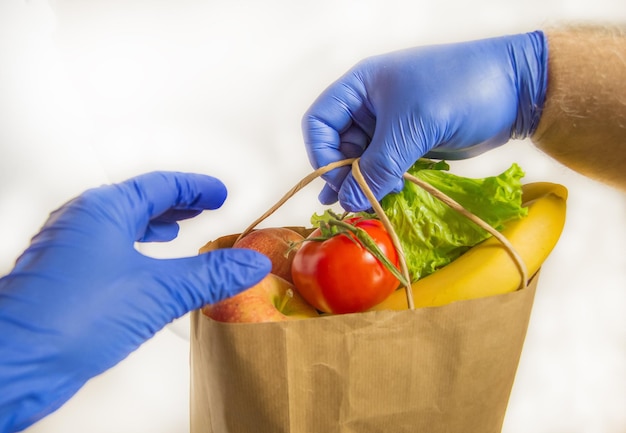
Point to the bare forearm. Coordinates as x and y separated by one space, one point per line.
583 124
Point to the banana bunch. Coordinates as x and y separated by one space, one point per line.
488 269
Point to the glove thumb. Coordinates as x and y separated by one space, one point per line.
191 282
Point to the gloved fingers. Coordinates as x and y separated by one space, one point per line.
165 227
230 271
160 198
158 231
160 191
338 125
353 199
326 145
332 113
354 141
146 207
382 176
323 149
352 144
322 141
328 195
175 215
383 162
191 282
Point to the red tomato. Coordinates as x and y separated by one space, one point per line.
339 275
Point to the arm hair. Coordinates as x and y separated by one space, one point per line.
583 124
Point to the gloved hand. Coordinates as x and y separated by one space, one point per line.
444 101
81 298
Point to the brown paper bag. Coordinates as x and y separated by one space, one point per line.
433 370
440 369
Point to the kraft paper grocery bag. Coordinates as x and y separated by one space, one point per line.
438 369
447 369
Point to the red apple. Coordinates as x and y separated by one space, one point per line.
278 243
272 300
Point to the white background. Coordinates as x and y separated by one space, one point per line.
96 91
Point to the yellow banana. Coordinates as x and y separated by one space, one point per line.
487 269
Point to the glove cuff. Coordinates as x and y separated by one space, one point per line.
531 63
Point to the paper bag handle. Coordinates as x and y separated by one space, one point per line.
356 172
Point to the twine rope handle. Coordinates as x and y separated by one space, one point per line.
358 176
356 172
304 182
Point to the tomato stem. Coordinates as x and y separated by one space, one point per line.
368 243
288 296
331 224
293 246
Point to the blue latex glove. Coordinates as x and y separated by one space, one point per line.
81 298
444 101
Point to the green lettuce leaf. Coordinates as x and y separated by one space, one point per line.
430 232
